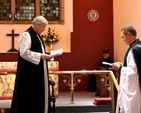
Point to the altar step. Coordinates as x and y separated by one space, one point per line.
79 109
84 109
83 103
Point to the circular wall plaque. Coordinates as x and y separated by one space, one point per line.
93 15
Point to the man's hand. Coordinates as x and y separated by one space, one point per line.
45 56
116 65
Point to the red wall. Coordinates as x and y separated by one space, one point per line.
88 40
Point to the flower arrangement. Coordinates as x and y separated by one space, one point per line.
51 37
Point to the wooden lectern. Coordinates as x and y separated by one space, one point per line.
101 81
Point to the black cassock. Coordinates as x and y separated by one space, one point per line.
29 90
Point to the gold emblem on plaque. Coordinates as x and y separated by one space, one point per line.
93 15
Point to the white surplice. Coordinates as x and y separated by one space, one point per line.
129 96
33 57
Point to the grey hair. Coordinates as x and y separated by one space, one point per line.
39 20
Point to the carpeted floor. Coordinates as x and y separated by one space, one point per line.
83 103
80 98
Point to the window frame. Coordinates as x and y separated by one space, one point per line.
37 12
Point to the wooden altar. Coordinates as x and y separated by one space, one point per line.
54 66
7 81
11 58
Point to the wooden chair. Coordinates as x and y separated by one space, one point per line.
2 110
52 96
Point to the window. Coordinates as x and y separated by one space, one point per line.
23 11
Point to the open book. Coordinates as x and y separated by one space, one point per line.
57 52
